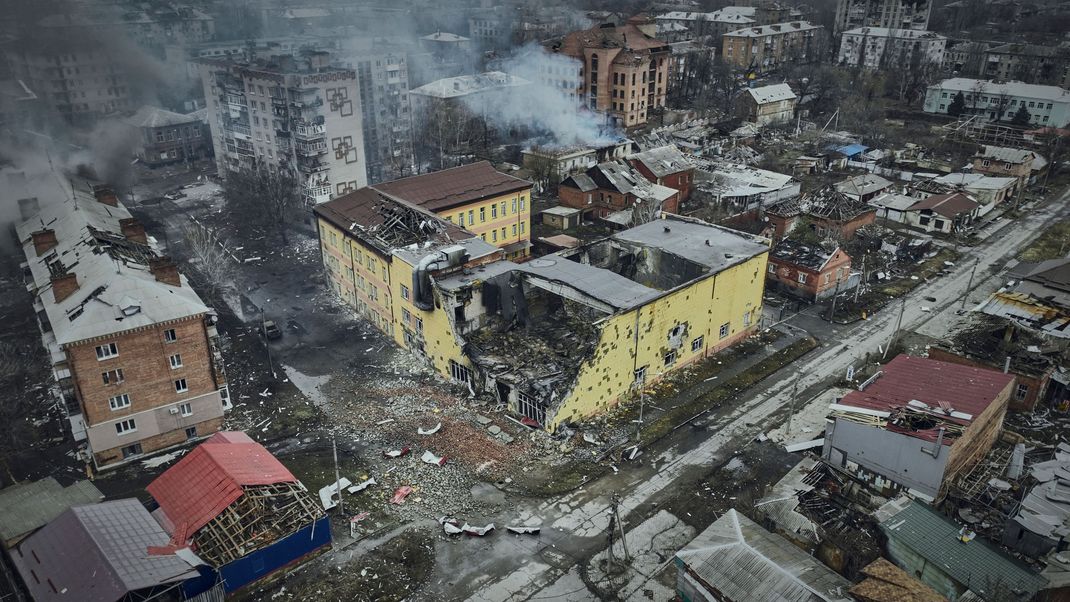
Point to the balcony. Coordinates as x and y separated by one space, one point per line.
240 131
311 148
310 131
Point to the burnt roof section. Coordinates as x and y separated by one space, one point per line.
387 223
812 257
828 203
947 205
453 187
663 161
628 38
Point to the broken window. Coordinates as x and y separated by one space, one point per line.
529 408
1021 392
802 278
482 214
176 361
746 318
191 432
640 376
404 292
772 269
112 377
108 350
670 358
170 336
460 373
724 330
406 316
131 450
696 344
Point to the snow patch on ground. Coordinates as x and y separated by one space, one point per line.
309 385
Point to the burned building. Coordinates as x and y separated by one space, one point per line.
809 271
918 424
565 336
827 211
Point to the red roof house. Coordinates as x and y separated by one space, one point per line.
918 424
223 499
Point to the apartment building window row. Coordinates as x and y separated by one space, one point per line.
119 402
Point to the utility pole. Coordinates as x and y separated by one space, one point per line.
620 525
267 343
794 393
639 425
969 285
898 325
337 477
858 288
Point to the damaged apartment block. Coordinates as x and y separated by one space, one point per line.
565 336
558 338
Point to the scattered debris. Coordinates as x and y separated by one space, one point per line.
396 453
400 494
523 530
477 531
362 485
430 458
330 492
422 431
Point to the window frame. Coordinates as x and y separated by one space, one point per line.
185 385
107 351
175 360
170 335
119 402
120 424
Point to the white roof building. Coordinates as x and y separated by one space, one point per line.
465 85
985 99
773 93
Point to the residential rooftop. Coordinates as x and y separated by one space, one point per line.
465 85
774 29
885 32
813 257
663 161
25 507
972 563
155 117
1011 88
447 188
116 291
746 563
771 93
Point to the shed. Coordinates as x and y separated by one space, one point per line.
561 217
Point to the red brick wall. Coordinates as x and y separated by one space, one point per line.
144 360
161 441
573 197
679 181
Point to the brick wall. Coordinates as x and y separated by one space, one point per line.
147 373
161 441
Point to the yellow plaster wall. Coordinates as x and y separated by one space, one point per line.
490 228
356 274
705 305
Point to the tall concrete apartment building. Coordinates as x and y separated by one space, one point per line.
892 14
74 77
299 113
383 78
625 70
768 47
134 350
882 48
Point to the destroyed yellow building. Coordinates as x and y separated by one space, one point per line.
561 337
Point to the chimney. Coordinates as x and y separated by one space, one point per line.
165 271
63 286
44 241
106 195
133 230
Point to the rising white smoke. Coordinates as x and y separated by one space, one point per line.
552 112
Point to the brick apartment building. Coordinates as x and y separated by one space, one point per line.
625 71
134 349
166 137
1005 162
766 48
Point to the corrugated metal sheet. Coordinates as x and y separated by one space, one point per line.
749 564
973 565
98 553
30 506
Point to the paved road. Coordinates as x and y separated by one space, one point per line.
517 569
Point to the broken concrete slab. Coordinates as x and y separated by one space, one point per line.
494 429
483 420
506 438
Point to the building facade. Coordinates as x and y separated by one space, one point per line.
808 271
285 113
767 105
617 191
999 101
165 137
1029 63
135 354
383 81
999 161
883 48
766 48
624 73
892 14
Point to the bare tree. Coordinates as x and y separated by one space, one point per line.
644 211
206 250
264 194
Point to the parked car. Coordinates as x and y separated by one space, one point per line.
272 330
